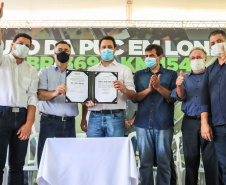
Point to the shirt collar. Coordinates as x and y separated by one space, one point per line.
191 73
57 68
112 63
162 69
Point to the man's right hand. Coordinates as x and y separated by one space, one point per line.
1 10
150 87
61 89
180 79
90 104
84 125
206 131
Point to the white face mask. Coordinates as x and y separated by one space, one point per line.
216 49
21 51
197 64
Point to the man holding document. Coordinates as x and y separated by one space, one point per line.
57 117
107 119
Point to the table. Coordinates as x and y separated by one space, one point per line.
88 161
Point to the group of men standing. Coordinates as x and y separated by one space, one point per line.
155 89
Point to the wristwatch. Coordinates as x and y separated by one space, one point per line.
130 123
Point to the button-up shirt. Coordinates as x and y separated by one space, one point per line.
155 111
124 75
192 87
49 79
18 84
130 110
214 93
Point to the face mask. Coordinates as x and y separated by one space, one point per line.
216 49
151 62
21 51
62 57
197 64
107 54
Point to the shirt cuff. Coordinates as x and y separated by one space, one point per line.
204 108
174 95
33 101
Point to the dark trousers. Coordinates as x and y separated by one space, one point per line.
10 123
50 128
219 136
192 142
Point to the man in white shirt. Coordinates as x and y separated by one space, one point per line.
18 99
108 119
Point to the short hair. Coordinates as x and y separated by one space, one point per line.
107 38
23 35
63 42
215 32
200 49
158 49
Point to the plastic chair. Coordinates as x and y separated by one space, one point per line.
31 165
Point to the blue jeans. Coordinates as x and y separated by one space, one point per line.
109 125
50 128
219 138
150 141
10 123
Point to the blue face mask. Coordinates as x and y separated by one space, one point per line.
151 62
107 54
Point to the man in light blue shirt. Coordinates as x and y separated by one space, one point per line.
57 117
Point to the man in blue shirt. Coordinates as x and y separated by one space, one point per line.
188 91
57 117
154 119
214 99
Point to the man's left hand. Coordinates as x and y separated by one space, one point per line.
155 81
119 86
24 132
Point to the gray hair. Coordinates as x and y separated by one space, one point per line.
200 49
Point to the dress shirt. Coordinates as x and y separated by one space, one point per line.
130 110
49 79
214 93
192 87
19 83
154 111
124 75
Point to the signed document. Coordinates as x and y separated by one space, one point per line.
83 86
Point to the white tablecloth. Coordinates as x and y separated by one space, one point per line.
88 161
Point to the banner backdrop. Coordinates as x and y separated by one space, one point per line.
131 44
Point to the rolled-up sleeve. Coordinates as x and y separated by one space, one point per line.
43 82
128 79
172 87
32 91
175 96
205 99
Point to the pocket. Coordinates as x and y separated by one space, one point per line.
26 82
119 115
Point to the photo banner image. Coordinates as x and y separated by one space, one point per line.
131 44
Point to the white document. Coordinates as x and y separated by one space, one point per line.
77 86
104 89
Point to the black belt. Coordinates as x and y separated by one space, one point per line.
193 117
108 111
62 118
13 109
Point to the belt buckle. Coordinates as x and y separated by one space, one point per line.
15 109
63 118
